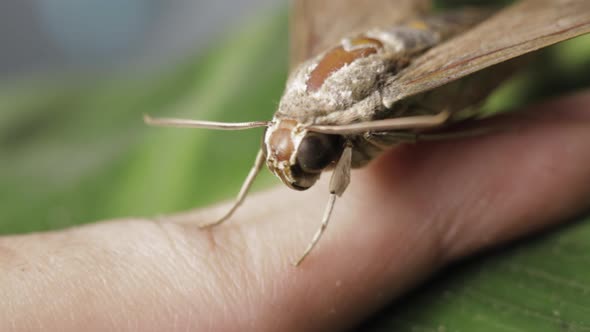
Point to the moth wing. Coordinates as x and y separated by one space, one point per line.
521 28
318 24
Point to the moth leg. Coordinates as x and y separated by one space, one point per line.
258 163
393 124
338 183
474 132
387 139
384 140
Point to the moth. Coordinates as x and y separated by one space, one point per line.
367 75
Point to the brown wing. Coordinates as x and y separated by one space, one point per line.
521 28
317 24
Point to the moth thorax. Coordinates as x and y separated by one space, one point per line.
297 156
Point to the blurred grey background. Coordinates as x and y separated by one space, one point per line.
45 36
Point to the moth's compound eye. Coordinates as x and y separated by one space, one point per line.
302 180
317 151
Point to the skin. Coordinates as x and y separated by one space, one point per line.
404 216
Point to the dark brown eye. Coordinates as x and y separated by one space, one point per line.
303 180
317 151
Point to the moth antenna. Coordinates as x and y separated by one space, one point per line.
185 123
409 122
243 191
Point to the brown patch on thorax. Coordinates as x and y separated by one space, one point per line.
339 57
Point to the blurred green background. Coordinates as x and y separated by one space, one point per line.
73 150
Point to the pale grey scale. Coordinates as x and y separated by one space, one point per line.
341 92
402 41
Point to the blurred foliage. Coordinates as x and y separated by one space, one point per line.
538 285
75 151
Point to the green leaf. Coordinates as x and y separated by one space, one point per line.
539 284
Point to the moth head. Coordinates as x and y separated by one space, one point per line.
298 156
